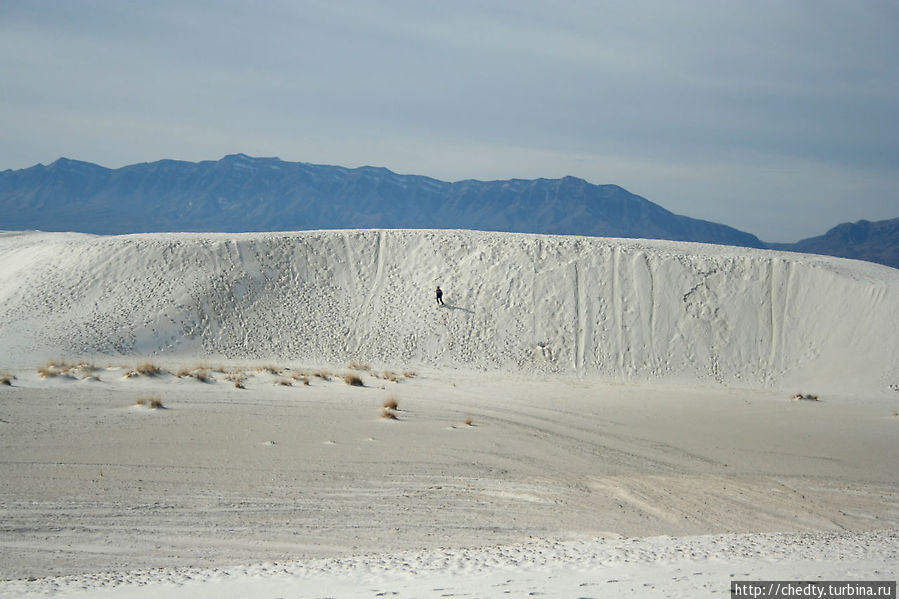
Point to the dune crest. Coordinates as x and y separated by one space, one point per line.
618 308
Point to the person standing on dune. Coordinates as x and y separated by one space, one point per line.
439 296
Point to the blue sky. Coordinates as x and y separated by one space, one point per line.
778 117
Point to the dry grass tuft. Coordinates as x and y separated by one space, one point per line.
353 380
389 414
148 369
391 376
274 370
323 375
7 380
409 374
284 382
199 373
358 366
391 403
806 396
469 421
54 369
153 403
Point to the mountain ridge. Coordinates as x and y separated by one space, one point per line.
241 193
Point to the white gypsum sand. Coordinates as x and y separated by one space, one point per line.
628 400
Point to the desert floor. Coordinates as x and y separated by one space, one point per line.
221 476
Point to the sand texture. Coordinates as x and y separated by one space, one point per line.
584 418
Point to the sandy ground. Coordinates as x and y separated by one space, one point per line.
91 482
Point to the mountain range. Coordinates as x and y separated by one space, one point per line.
240 193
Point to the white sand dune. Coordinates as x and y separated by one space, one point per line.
631 430
621 309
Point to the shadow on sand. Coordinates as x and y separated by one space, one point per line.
452 307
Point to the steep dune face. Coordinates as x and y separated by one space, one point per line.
623 309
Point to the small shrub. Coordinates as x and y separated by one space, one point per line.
353 380
238 382
391 376
469 421
274 370
284 382
358 366
806 396
148 369
391 403
389 414
201 374
6 380
323 375
53 369
409 374
153 403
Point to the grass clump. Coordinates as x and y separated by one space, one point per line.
353 380
54 369
323 375
7 380
148 369
284 382
805 396
391 403
200 373
153 403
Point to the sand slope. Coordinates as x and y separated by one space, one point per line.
622 309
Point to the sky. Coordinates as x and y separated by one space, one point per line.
777 117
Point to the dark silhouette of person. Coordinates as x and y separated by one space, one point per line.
439 297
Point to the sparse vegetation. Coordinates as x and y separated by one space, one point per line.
389 414
200 373
805 396
273 370
409 374
237 378
469 421
323 375
353 380
148 369
7 380
284 382
358 366
391 403
153 403
54 369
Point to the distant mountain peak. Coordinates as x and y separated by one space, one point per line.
244 193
